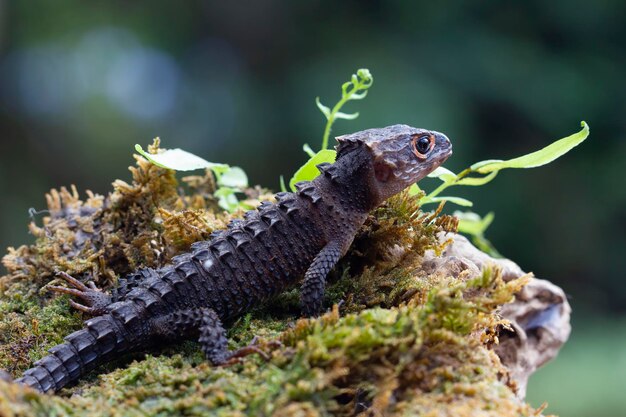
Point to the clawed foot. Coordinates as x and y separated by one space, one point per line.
95 301
237 355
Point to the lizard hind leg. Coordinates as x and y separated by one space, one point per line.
206 323
95 302
215 345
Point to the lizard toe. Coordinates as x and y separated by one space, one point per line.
94 301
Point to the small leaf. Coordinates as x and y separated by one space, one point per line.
477 180
414 189
443 174
486 246
455 200
283 187
358 96
178 160
234 177
538 158
340 115
325 110
365 76
471 223
224 192
220 169
307 149
227 199
344 88
309 171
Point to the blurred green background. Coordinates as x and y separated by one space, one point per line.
82 82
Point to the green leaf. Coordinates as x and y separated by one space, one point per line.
178 160
307 149
352 116
358 96
477 180
486 246
365 75
472 224
283 187
309 171
455 200
234 177
227 199
443 174
325 110
344 88
414 189
224 192
538 158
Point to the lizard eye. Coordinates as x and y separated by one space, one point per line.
422 145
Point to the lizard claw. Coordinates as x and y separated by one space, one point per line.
95 301
85 309
72 281
237 355
251 348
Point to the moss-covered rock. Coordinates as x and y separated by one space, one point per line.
402 342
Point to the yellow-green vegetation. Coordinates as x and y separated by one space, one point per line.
402 342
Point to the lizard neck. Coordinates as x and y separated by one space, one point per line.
348 182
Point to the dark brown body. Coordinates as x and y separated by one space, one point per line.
271 249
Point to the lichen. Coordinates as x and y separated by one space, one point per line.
399 341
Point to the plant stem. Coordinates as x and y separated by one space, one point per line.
444 185
331 118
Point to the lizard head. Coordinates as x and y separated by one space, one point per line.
400 155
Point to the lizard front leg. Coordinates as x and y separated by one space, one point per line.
312 292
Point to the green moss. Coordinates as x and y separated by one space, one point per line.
404 343
330 364
28 329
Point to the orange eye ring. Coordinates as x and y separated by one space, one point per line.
422 145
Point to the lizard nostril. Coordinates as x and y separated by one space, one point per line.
444 141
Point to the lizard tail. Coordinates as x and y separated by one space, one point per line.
82 351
